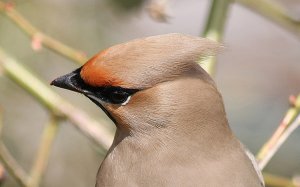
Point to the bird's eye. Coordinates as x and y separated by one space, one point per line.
118 97
114 95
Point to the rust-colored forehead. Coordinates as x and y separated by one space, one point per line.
95 73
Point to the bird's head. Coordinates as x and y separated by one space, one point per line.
148 83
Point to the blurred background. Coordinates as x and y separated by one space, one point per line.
256 74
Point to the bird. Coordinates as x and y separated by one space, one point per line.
171 124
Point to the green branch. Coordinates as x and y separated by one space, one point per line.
289 123
278 181
43 153
214 29
88 126
12 166
33 32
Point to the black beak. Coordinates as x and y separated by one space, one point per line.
71 81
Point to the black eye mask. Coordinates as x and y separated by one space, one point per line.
114 95
109 94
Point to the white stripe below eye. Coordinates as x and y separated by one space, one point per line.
101 101
127 101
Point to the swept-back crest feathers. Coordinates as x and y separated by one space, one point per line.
144 62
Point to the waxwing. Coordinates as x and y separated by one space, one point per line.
171 124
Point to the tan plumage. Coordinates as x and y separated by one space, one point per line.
172 129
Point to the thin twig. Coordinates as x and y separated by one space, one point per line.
281 139
12 166
272 180
14 169
43 153
287 126
274 12
214 29
88 126
33 32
